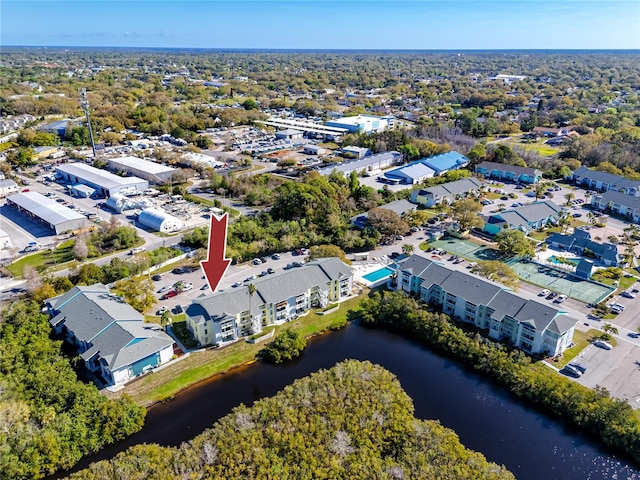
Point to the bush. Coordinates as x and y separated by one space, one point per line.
288 345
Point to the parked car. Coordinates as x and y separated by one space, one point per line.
170 294
297 264
617 306
573 370
237 284
162 310
166 288
186 287
627 294
578 366
263 273
256 261
133 251
603 344
156 278
270 271
560 299
275 256
204 287
177 309
177 271
552 295
544 293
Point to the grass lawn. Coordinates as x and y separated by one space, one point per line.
538 147
45 259
492 196
581 340
541 236
203 365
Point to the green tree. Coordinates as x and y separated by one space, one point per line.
288 344
498 272
466 213
569 198
22 158
513 242
408 249
327 251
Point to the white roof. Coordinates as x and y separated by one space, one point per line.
96 176
139 164
45 208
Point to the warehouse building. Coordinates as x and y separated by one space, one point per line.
105 183
48 212
363 123
160 221
151 171
367 166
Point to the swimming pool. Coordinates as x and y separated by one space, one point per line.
557 261
378 274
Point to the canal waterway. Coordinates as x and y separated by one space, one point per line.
487 419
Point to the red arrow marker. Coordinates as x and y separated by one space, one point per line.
216 265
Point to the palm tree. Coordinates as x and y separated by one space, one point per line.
607 327
165 319
408 249
569 197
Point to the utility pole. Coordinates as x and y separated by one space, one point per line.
85 106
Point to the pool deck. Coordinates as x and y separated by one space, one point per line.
365 268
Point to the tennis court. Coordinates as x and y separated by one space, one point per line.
540 275
561 282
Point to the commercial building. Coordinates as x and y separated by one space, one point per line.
527 324
119 203
366 166
226 316
47 212
411 174
151 171
311 149
510 173
82 191
618 202
58 128
110 336
160 221
603 182
8 187
445 162
290 134
363 123
352 151
447 193
195 159
532 216
105 183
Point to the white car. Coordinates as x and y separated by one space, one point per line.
603 344
544 293
166 288
560 299
186 287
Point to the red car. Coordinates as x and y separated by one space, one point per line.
169 294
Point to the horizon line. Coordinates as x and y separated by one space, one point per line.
320 49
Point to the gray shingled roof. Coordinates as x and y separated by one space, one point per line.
453 188
536 314
561 324
616 181
530 213
612 196
269 289
471 288
505 304
90 310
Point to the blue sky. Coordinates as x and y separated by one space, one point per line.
320 24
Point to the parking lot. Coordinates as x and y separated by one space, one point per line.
617 370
